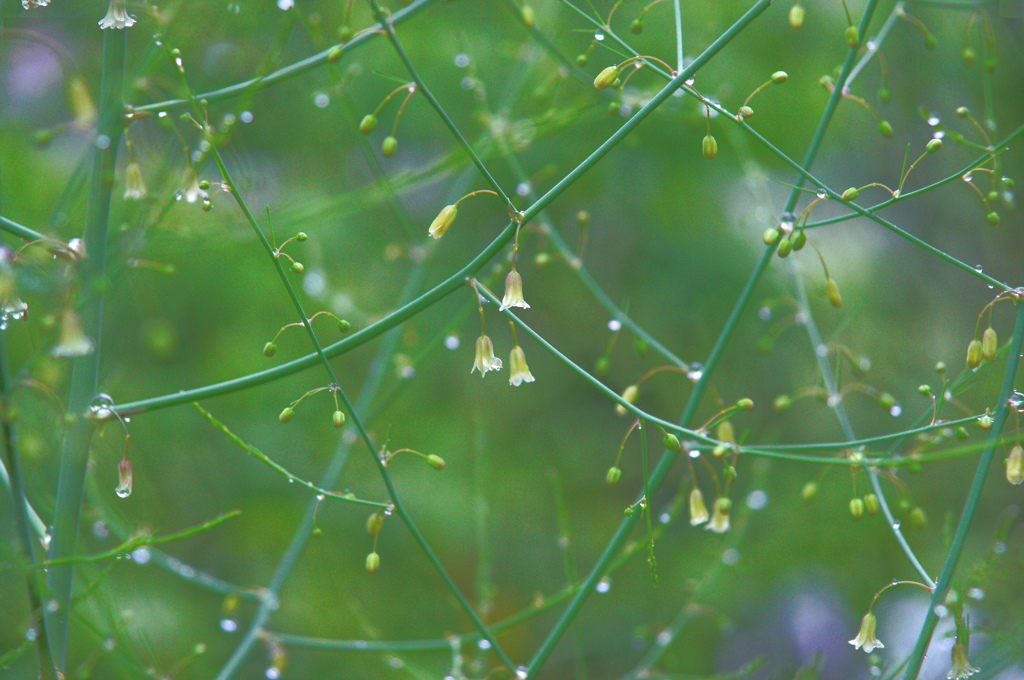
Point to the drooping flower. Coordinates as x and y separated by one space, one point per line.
720 517
519 372
698 510
513 292
485 359
962 667
443 220
73 340
124 479
117 16
134 185
866 639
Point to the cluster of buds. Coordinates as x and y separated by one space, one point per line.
337 417
778 78
369 122
270 348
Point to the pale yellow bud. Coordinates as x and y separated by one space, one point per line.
443 220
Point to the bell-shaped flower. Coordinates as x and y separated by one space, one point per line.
485 359
720 516
513 292
698 510
117 16
866 639
519 372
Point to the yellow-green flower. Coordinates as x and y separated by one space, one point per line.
485 359
720 516
962 667
513 292
698 510
866 639
519 372
117 16
134 185
443 220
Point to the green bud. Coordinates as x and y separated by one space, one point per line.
993 196
628 512
436 461
989 344
885 128
344 326
962 111
851 194
372 563
827 81
780 77
344 32
771 236
985 422
368 124
871 504
930 41
287 414
887 400
334 55
933 145
602 365
298 267
671 442
857 508
374 523
613 476
799 240
207 205
641 347
974 354
852 37
730 472
581 60
204 184
832 291
301 236
710 148
745 404
269 349
389 147
993 218
726 434
968 55
613 108
918 518
785 247
746 112
317 532
338 418
637 27
719 451
990 65
529 16
782 403
924 390
809 492
606 77
961 433
796 17
541 259
884 95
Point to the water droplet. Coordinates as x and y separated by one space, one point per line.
933 120
52 606
664 638
941 610
228 625
320 496
696 371
462 60
285 5
522 672
523 188
322 100
731 556
468 83
100 530
895 411
272 673
599 36
452 342
484 644
102 142
694 453
31 634
976 594
604 585
765 313
234 8
999 548
967 177
978 268
563 542
141 556
123 491
871 45
896 525
291 480
834 400
938 134
664 518
822 194
246 116
614 325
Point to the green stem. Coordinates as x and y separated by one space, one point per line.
971 505
288 72
85 369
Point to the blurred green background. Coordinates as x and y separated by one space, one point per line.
522 507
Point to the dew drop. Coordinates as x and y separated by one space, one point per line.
452 342
484 644
599 37
141 556
322 100
765 313
696 371
31 634
246 116
462 60
941 610
664 638
522 672
822 194
102 142
523 188
976 594
123 491
234 8
938 134
896 525
731 556
999 548
967 177
664 518
614 325
100 530
272 673
228 625
933 120
285 5
757 499
604 585
895 411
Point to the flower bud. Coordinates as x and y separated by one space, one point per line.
809 492
851 194
799 240
969 55
374 523
796 17
918 518
993 196
991 65
372 563
529 16
985 422
745 404
720 518
124 479
726 435
885 128
924 390
871 504
832 291
581 60
641 347
1015 465
930 41
389 147
344 33
204 184
974 354
338 418
298 267
613 108
606 77
993 218
301 236
857 508
602 365
368 124
961 433
771 236
613 476
629 395
269 349
637 27
698 510
884 95
989 344
933 145
780 77
671 442
344 326
785 247
782 403
746 112
852 37
443 220
287 414
436 461
334 55
710 148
